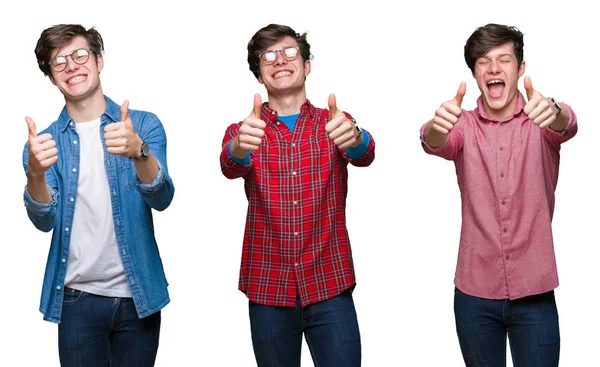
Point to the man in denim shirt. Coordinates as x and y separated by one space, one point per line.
93 177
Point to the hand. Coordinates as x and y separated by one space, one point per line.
252 129
121 138
42 150
539 109
340 129
446 116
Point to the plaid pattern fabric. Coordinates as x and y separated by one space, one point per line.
295 236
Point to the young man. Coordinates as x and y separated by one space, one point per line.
506 153
93 178
297 268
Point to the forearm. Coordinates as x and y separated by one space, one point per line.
147 169
37 188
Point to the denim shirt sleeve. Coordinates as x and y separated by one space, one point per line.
159 194
42 215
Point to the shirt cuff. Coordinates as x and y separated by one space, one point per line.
244 162
37 208
429 148
155 185
358 151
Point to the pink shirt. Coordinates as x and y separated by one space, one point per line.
507 173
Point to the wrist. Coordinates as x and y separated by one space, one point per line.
142 152
38 176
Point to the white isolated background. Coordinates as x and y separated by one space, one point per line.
390 65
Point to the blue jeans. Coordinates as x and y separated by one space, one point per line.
105 331
531 324
330 328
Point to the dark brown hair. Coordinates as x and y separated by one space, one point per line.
489 36
269 35
58 36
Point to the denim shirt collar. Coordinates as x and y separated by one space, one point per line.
113 111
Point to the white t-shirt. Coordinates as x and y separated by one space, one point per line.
94 263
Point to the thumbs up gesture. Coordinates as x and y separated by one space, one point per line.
539 109
343 132
446 116
121 138
42 150
252 129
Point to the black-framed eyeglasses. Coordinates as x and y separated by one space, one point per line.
288 53
79 56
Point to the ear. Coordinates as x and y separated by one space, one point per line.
522 68
306 68
51 78
99 63
260 79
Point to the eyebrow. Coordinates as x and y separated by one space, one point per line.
498 56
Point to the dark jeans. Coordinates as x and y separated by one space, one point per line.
105 331
330 328
531 324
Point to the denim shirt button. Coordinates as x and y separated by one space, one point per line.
64 260
58 287
74 170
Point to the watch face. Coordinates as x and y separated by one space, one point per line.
145 149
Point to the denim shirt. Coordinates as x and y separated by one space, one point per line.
132 204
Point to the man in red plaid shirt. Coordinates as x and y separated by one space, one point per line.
297 268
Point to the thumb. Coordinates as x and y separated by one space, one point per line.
528 87
125 111
458 98
333 110
257 106
31 127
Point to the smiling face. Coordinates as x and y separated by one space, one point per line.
497 74
77 82
284 76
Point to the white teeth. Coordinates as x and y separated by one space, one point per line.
76 79
282 73
496 81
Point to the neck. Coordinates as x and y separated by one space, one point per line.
289 103
87 109
503 113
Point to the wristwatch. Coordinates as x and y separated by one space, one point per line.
145 152
358 129
556 105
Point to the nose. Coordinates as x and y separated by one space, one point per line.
71 64
279 59
494 66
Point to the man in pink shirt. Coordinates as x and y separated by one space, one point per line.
506 154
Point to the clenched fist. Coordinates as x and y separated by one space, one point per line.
252 129
343 132
121 138
446 116
42 150
539 109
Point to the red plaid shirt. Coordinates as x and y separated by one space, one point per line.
296 185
